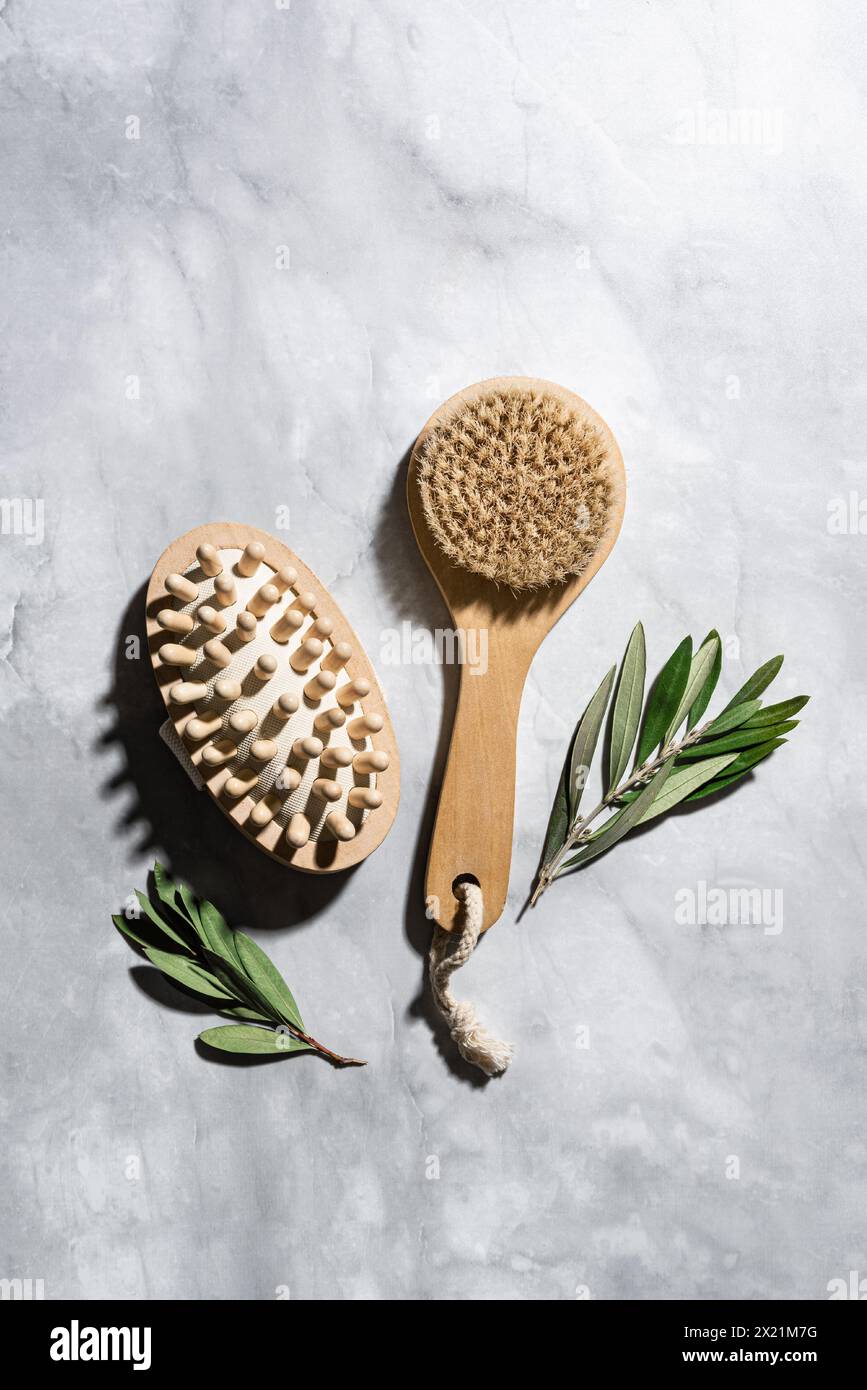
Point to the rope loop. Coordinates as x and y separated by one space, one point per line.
474 1042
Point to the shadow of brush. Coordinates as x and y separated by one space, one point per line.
179 824
414 594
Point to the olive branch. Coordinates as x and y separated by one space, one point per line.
677 758
192 944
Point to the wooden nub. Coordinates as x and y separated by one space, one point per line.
298 831
287 624
172 621
218 653
370 760
304 656
265 810
211 619
364 725
329 720
304 601
352 691
263 599
263 750
265 667
180 587
240 785
284 578
224 590
367 798
285 706
243 721
226 689
340 827
336 757
320 685
245 626
306 748
218 753
337 658
288 780
174 655
197 729
322 628
249 562
187 692
209 558
326 789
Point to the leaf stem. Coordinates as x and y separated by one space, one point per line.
325 1051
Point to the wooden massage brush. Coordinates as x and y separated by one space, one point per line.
516 492
273 696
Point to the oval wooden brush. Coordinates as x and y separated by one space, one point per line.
516 493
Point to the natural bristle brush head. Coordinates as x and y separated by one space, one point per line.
516 483
516 493
273 699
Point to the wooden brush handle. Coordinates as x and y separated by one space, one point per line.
476 812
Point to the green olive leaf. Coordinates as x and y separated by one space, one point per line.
702 700
187 973
243 1037
683 781
700 672
737 739
150 911
775 714
626 713
267 980
743 763
664 700
758 681
732 717
586 738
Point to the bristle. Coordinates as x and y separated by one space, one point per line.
515 487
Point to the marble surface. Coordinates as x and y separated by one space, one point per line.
248 248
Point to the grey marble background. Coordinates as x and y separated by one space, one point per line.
333 216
